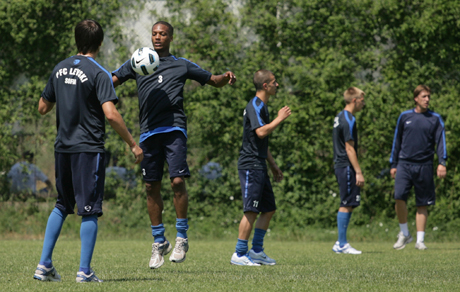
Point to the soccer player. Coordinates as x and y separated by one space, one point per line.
258 197
83 93
417 132
164 135
346 165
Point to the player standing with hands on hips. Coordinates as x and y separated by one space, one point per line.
258 197
417 132
84 96
347 169
164 135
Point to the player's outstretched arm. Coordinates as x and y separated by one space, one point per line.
115 81
221 80
44 106
351 153
277 173
265 130
117 123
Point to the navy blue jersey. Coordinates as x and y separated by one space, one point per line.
161 94
344 130
79 86
254 150
415 138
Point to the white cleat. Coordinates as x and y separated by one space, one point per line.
346 249
261 258
84 278
420 246
158 251
180 249
43 273
402 241
243 260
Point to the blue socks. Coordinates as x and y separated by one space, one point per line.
158 232
88 235
241 247
182 227
258 240
53 229
342 224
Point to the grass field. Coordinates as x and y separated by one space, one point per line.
302 266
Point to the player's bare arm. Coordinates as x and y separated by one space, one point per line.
222 80
441 171
115 81
267 129
117 123
351 153
277 173
44 106
393 173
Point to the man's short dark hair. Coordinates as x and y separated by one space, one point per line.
260 77
421 88
88 36
170 27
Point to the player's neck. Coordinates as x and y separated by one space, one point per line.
263 96
350 108
163 53
420 110
90 55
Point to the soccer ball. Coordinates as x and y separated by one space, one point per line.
145 61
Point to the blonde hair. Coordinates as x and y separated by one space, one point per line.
352 92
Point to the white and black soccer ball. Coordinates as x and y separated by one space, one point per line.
145 61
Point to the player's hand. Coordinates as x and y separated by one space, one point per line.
284 113
442 171
138 153
393 173
277 173
231 77
359 180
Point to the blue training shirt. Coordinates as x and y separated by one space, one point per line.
161 94
415 138
254 150
344 130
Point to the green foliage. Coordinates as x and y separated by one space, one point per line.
316 49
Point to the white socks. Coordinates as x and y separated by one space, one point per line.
405 229
420 236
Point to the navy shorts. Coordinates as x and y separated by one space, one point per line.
80 180
257 191
170 147
349 191
421 177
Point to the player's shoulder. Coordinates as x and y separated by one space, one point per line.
255 103
346 116
407 112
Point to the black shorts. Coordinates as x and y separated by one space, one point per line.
257 191
421 177
170 147
80 180
349 191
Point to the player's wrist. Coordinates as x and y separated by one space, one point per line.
132 145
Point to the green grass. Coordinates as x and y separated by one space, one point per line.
302 266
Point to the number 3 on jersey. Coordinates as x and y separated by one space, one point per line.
160 78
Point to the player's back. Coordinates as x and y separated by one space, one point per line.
79 86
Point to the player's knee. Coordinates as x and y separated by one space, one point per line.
152 188
178 184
